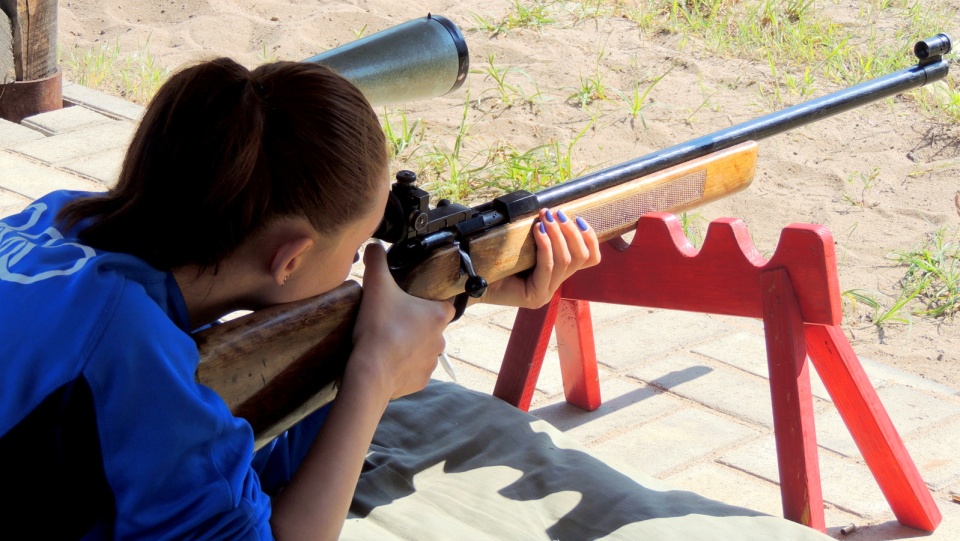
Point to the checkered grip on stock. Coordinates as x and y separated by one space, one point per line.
625 212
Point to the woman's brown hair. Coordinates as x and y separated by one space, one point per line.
222 150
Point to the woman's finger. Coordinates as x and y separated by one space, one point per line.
576 244
558 244
539 281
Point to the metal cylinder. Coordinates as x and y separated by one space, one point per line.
22 99
931 47
418 59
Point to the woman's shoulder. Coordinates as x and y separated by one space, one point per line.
73 295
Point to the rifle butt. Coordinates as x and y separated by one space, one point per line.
268 365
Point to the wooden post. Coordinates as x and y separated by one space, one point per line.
28 53
517 380
797 459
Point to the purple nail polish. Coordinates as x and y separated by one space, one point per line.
561 216
549 216
581 224
543 229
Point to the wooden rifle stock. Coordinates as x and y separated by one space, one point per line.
275 366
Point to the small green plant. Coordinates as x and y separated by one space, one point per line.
534 15
933 273
941 97
856 297
895 313
537 168
637 102
360 32
133 76
267 56
515 170
692 229
402 135
450 173
707 93
506 92
604 9
861 183
881 315
591 88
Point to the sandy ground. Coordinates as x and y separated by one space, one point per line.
803 176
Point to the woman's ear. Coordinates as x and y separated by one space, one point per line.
287 257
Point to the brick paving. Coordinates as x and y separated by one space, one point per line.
690 406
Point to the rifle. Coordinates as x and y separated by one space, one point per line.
276 365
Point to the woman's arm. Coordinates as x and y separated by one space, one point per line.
397 340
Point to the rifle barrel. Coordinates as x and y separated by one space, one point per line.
753 130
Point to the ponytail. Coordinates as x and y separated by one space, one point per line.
222 150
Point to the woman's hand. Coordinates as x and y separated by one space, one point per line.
564 246
397 337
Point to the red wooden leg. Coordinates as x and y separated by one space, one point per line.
797 458
578 357
871 428
524 356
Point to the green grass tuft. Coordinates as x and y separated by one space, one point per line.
132 76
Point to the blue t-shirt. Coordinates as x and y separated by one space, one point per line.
96 352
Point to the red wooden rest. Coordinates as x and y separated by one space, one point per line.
797 295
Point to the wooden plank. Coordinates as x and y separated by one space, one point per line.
34 33
578 356
525 352
8 71
658 267
793 424
871 428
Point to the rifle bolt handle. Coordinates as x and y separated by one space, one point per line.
476 286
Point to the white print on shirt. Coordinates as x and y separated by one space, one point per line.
15 244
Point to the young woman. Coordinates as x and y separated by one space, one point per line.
240 190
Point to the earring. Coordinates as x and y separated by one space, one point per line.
285 278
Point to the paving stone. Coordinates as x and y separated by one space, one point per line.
13 134
935 454
33 180
502 316
483 346
908 408
846 483
881 374
469 376
104 166
11 203
80 143
649 333
735 487
102 102
65 120
675 440
715 386
731 486
504 319
626 404
889 528
748 352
